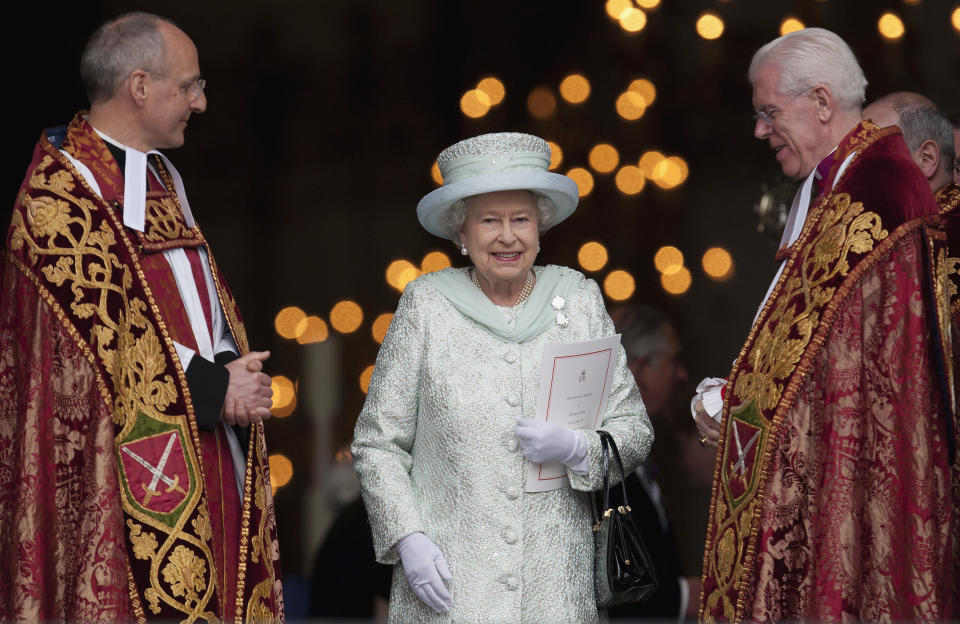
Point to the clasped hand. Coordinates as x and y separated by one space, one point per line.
249 396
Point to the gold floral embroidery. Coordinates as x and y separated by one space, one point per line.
201 524
780 343
47 216
153 599
186 574
144 544
163 221
777 348
85 261
60 227
257 608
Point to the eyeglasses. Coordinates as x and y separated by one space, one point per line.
193 89
768 113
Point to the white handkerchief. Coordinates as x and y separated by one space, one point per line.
710 392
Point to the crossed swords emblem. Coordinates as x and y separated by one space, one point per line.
741 450
157 471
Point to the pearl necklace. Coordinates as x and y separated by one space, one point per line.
527 285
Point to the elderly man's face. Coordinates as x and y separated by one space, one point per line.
793 130
173 96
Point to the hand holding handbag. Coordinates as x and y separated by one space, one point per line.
623 570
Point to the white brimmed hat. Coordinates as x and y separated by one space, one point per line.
502 161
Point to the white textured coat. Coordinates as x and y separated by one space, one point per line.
436 452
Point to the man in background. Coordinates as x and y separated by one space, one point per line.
653 356
926 130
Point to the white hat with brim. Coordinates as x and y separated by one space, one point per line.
503 161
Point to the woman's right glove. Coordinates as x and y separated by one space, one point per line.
423 566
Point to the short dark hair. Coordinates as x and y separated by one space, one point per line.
643 330
118 47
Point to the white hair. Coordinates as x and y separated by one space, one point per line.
810 57
457 215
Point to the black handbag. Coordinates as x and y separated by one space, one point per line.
623 571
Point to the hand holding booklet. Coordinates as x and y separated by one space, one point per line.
575 381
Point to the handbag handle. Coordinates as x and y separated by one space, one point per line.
608 446
607 441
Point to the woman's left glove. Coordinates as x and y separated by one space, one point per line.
545 442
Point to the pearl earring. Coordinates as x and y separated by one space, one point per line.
538 247
463 249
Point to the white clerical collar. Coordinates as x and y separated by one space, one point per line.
135 185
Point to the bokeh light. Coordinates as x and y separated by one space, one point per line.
670 172
397 268
575 89
668 260
287 320
630 105
284 396
630 180
890 26
649 161
365 378
435 174
645 89
406 276
494 89
592 256
379 327
717 263
346 316
584 180
475 103
709 26
615 8
619 285
556 155
648 4
434 261
541 103
676 283
281 471
955 19
312 329
790 24
604 158
632 20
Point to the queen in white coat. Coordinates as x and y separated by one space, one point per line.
443 438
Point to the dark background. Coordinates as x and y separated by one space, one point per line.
324 117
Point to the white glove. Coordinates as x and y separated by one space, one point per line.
423 566
545 442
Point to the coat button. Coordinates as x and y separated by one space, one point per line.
512 400
510 536
512 494
513 445
510 357
513 583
